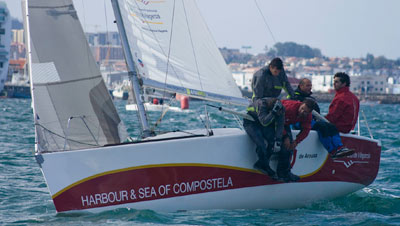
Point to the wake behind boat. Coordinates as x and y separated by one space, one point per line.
79 135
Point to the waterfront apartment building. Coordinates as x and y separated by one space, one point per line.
18 36
103 38
5 40
369 84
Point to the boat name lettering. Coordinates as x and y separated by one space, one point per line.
308 156
104 198
152 192
203 185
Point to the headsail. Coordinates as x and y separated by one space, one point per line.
73 109
173 50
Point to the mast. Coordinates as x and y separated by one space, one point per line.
131 71
29 56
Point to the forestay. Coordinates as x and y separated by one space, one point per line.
173 50
72 106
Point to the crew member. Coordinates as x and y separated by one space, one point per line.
295 112
268 115
343 111
270 80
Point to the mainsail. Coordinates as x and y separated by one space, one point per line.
72 106
173 50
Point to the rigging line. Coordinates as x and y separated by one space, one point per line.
162 114
63 137
85 41
265 21
166 72
204 123
191 42
107 39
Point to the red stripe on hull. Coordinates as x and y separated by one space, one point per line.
154 183
361 167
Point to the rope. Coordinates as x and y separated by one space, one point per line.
166 72
265 21
63 137
163 112
205 125
107 38
366 123
191 42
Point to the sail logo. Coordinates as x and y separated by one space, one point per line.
143 2
140 62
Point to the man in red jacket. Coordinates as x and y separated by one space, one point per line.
343 111
295 111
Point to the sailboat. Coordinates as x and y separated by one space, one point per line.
79 135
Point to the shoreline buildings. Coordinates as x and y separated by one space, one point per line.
5 41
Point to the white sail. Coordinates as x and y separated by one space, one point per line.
173 50
72 106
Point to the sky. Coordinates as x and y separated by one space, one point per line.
339 28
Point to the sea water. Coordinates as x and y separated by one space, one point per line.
25 200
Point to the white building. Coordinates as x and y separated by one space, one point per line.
393 87
321 83
243 78
5 41
369 84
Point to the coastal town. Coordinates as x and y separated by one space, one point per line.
373 78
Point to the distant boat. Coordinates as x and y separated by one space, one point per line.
79 134
156 107
371 103
5 43
121 91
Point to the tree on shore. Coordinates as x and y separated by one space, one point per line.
291 49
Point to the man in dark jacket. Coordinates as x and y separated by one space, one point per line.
303 91
267 83
267 126
270 80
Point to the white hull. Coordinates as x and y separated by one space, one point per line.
201 172
155 107
120 94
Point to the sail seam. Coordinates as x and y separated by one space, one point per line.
50 7
65 82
